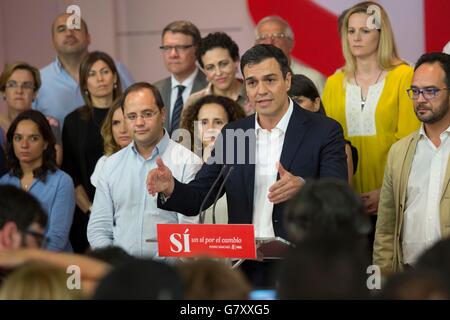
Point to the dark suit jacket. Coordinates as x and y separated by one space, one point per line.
165 88
314 147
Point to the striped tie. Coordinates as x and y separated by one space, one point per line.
177 108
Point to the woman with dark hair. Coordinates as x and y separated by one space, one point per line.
83 143
218 56
32 166
204 119
305 93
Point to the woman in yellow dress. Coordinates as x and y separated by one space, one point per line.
368 96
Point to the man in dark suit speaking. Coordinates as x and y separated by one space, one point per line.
272 152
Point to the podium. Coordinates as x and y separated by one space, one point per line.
268 248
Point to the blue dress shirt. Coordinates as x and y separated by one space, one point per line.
57 198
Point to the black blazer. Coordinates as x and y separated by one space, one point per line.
314 147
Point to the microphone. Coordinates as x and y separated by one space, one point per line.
218 193
200 212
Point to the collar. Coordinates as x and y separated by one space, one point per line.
284 121
159 149
188 82
423 134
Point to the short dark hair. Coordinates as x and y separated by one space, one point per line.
20 207
324 268
184 27
437 57
141 86
217 40
262 52
49 154
112 255
301 85
233 110
326 207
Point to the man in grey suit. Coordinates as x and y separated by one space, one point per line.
179 43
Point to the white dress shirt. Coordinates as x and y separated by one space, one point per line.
269 144
188 84
421 228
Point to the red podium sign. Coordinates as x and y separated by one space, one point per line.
217 240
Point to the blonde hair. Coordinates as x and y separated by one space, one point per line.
37 282
387 52
110 146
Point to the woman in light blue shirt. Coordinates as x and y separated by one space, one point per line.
30 148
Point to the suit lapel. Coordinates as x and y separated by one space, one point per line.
295 133
166 91
249 168
405 171
199 82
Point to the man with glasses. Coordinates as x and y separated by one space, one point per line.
179 44
276 31
414 209
123 214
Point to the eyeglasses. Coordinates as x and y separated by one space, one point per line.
23 86
178 48
41 240
144 115
273 36
428 93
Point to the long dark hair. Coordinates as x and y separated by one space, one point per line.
301 85
49 154
85 67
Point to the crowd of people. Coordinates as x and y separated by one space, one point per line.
351 169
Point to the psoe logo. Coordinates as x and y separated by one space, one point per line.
180 242
74 20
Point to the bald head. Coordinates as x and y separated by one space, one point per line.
69 41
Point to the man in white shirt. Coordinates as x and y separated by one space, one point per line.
271 152
414 210
179 43
276 31
123 214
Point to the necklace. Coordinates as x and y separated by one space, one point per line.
363 100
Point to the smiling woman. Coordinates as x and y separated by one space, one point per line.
83 143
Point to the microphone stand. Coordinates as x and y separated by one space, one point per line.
201 212
218 194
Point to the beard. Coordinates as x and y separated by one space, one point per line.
435 115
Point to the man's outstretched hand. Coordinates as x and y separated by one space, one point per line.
160 179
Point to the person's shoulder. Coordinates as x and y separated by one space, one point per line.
161 83
75 115
244 123
405 141
60 175
49 70
402 69
6 178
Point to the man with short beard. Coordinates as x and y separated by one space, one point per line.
60 92
414 209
